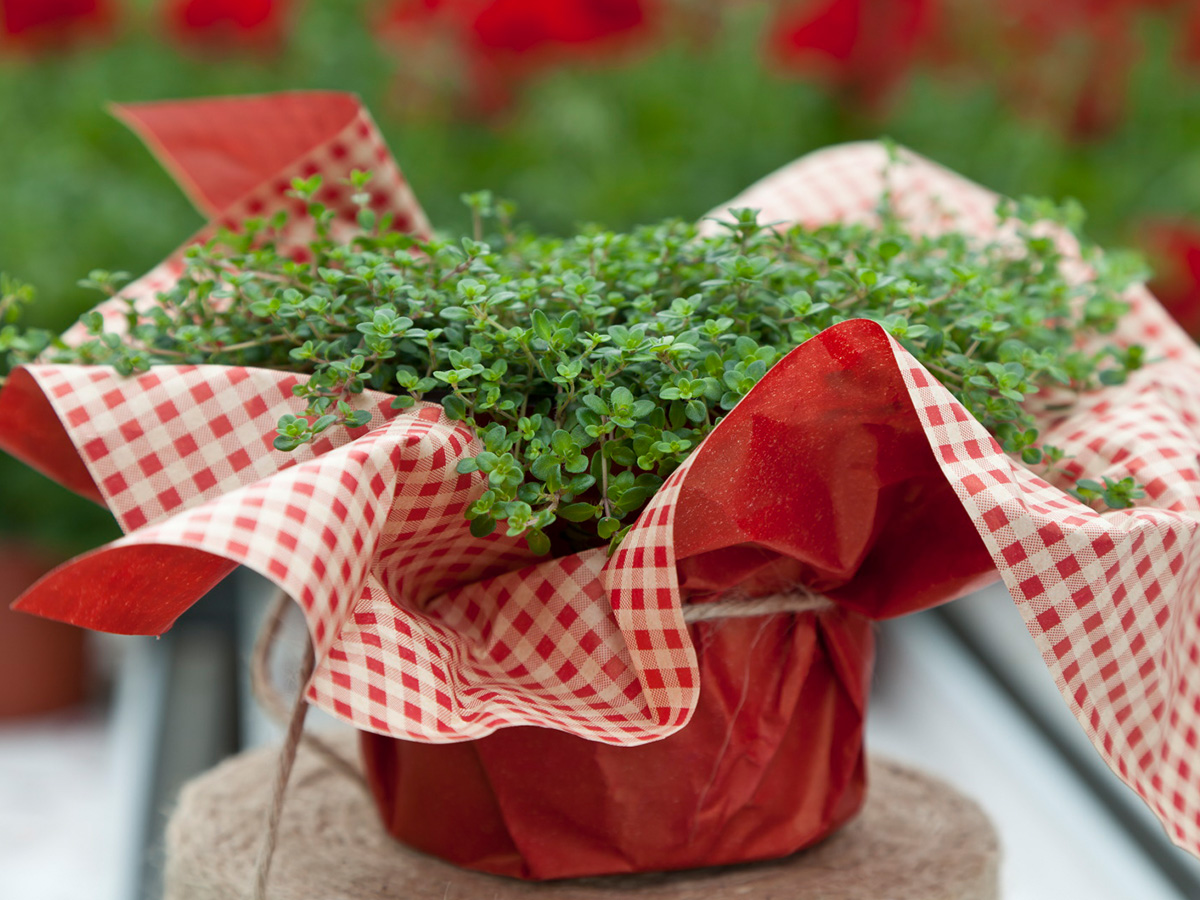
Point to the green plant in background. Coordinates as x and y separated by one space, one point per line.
621 143
593 365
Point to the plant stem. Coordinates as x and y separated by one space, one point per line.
604 480
246 345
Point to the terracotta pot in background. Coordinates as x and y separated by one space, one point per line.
42 663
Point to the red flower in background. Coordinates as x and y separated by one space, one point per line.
1189 50
864 46
1174 250
1064 61
36 24
1068 61
227 22
496 43
522 26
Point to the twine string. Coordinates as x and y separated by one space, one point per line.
271 699
283 771
794 602
738 607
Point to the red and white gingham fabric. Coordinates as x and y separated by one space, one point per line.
426 633
1111 598
236 158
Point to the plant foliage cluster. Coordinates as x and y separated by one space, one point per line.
593 365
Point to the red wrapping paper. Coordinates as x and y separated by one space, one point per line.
848 469
771 761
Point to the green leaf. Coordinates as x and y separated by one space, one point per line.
546 467
455 407
581 483
538 542
541 326
577 512
482 526
595 404
642 408
323 423
634 498
621 398
607 527
562 443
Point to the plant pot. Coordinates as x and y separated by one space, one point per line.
42 663
772 761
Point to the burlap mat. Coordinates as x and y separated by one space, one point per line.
916 839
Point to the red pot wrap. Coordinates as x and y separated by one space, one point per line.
848 469
771 761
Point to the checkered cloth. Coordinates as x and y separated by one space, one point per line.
423 632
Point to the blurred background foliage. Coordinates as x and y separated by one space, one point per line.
616 111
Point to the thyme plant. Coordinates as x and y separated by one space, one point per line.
592 365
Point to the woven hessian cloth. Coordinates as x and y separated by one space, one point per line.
916 839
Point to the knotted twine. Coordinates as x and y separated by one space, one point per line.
731 606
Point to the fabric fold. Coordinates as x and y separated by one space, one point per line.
848 469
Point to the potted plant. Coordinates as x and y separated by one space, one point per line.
495 472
